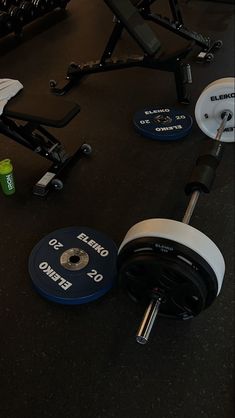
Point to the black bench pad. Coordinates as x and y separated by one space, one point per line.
135 25
40 109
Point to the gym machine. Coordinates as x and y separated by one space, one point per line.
170 266
132 16
33 114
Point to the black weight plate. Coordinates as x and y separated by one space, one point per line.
73 265
163 124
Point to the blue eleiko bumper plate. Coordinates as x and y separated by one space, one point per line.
163 124
73 265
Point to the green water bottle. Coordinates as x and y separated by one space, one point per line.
6 177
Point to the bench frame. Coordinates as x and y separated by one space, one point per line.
36 138
173 63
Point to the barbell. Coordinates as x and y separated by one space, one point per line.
170 266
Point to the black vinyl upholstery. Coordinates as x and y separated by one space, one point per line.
125 11
41 109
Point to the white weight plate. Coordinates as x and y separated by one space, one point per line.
214 100
183 234
219 81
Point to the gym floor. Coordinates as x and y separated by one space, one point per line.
83 361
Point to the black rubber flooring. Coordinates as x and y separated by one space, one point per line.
83 361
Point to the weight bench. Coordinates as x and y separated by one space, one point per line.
36 112
132 16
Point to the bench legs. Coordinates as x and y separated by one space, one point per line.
36 138
52 178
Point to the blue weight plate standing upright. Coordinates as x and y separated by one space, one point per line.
163 124
73 265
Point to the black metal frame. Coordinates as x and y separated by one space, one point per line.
174 63
177 25
36 138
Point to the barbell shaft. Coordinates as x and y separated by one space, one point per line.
195 196
191 206
146 325
222 125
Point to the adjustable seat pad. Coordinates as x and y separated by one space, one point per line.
40 109
125 11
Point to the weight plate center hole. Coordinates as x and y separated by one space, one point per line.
74 259
230 115
164 119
